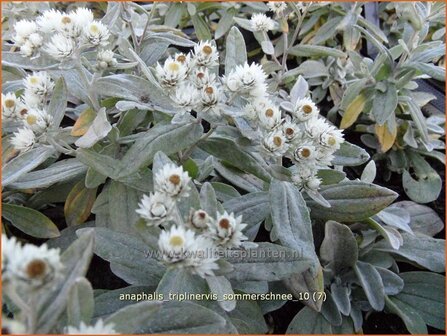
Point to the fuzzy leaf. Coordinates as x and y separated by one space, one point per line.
83 123
372 284
351 201
79 204
339 247
30 221
76 260
24 163
353 111
159 138
61 171
80 303
236 53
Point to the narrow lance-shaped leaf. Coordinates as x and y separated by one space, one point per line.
236 53
30 221
76 260
80 305
58 103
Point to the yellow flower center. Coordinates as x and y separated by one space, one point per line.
36 268
305 152
94 29
174 67
176 241
209 90
66 20
207 50
224 223
174 179
331 141
34 80
181 58
31 119
10 103
269 113
307 109
277 141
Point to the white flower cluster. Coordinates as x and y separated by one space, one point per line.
29 267
301 136
262 23
192 244
191 81
311 142
60 34
100 328
277 7
29 109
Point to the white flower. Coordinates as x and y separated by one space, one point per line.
186 97
100 328
74 23
306 178
226 230
49 21
105 59
12 327
171 73
24 139
82 16
205 54
180 247
32 101
34 266
10 248
261 23
291 130
184 59
277 7
331 138
324 156
269 115
39 83
198 219
305 152
201 77
202 257
60 47
250 111
12 107
315 127
305 109
38 120
210 96
23 29
247 79
172 181
175 243
155 208
32 44
275 143
97 33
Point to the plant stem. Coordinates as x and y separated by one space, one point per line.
32 315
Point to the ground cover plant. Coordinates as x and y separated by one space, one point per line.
223 167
